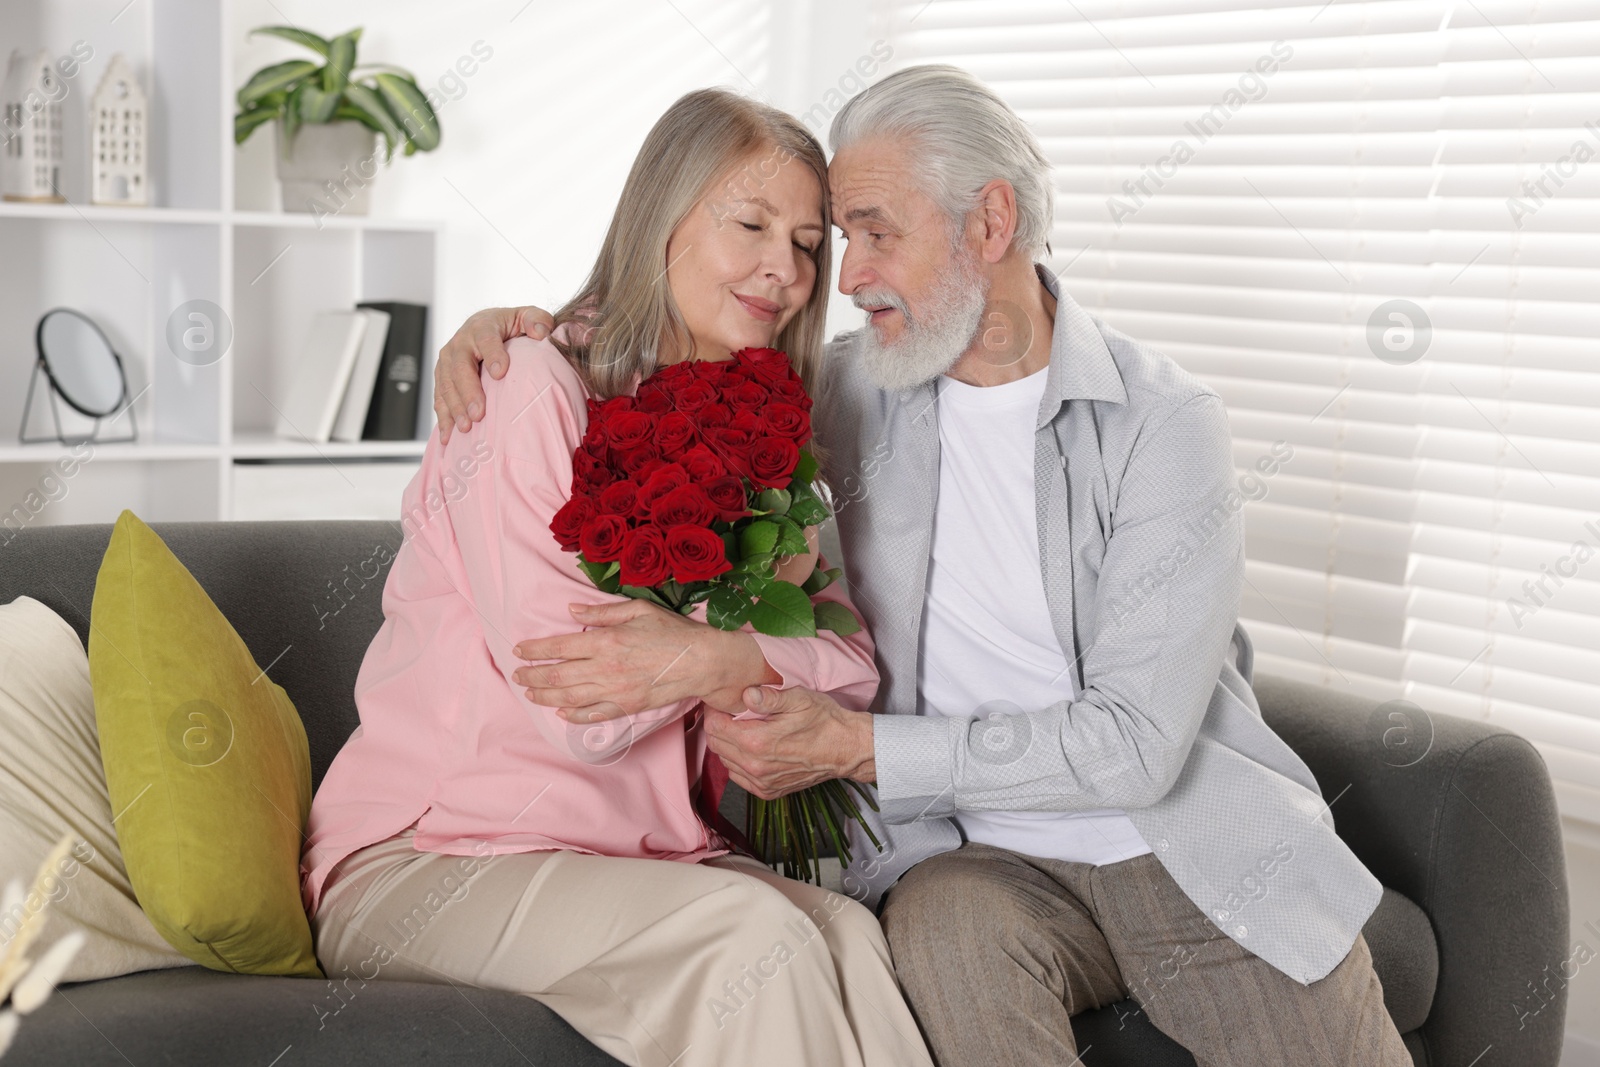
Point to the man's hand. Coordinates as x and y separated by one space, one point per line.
637 656
806 738
457 392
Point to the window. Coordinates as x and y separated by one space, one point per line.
1374 229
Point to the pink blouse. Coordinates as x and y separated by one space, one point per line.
447 739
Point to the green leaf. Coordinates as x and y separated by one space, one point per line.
641 592
775 501
758 539
807 508
341 57
317 44
411 109
791 539
806 470
291 119
728 608
820 579
595 571
368 102
273 78
784 610
247 122
832 615
316 106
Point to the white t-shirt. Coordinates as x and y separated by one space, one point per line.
988 645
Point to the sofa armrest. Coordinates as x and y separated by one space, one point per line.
1464 823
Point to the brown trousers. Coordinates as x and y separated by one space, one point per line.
995 950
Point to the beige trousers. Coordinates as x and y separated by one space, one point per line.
657 962
996 950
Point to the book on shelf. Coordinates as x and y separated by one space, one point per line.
321 376
358 393
392 415
358 376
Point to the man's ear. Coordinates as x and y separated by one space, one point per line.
997 211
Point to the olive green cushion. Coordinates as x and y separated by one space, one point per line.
206 761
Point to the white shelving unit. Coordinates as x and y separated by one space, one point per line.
206 447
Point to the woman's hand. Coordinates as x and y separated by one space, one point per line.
457 391
797 569
635 656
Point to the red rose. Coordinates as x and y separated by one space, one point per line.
748 420
601 410
636 464
674 433
731 446
748 395
702 464
642 472
618 498
793 392
686 505
714 416
601 539
629 429
693 396
655 401
728 496
644 557
696 554
711 370
786 420
568 522
772 462
769 364
671 376
593 480
658 485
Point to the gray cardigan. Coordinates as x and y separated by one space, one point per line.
1142 549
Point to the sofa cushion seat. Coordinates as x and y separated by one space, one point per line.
195 1016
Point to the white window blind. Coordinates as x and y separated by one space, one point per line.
1248 188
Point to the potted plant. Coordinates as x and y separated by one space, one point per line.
328 118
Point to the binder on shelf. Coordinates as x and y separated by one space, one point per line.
321 376
358 394
392 415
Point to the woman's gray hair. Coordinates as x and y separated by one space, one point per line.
964 135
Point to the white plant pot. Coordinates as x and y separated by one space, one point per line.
329 169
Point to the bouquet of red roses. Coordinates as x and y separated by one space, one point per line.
694 490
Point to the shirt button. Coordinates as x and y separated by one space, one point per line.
1240 931
1221 915
1163 845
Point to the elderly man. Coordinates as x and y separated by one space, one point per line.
1079 799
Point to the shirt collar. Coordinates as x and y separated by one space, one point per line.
1081 367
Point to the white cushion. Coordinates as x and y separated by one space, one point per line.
52 783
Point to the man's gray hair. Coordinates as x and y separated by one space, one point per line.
964 137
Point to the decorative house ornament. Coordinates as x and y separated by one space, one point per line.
30 166
120 140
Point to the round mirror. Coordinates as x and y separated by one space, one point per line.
80 362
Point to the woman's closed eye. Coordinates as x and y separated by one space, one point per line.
756 227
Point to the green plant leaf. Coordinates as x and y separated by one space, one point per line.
775 501
806 470
366 100
305 38
784 610
271 79
411 110
247 122
791 539
820 579
807 508
727 608
341 58
758 539
832 615
641 592
291 118
316 106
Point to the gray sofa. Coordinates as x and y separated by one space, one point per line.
1466 840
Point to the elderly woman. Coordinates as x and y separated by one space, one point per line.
466 833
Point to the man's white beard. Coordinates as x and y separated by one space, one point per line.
929 345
